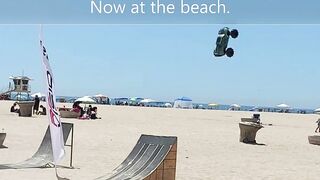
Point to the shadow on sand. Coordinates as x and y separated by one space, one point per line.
255 143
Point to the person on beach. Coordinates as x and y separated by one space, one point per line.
77 108
14 109
43 110
36 105
89 110
94 113
318 127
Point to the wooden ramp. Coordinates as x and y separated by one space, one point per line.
2 138
314 139
44 156
152 158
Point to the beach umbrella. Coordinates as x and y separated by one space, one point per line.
283 106
86 100
235 105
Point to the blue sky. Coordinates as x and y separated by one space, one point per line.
272 64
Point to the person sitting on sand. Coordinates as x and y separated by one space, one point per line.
43 110
318 128
84 116
14 109
77 108
94 113
75 105
89 109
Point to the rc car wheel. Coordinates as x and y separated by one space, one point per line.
234 33
229 52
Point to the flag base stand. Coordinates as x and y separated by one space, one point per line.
71 146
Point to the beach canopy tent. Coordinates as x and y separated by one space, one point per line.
283 106
147 100
86 100
254 108
183 102
135 100
234 107
317 111
100 96
101 99
40 95
21 97
120 101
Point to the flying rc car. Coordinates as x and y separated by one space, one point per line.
222 42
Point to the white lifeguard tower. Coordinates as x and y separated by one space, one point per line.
20 87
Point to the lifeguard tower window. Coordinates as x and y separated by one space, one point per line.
25 88
16 82
24 82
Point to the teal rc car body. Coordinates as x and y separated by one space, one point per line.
223 40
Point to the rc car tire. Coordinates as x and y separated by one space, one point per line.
234 33
229 52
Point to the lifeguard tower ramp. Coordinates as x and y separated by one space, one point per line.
152 158
44 156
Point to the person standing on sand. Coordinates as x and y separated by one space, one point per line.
36 105
318 128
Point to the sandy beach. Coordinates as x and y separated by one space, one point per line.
208 143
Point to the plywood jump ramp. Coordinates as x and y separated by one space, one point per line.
152 158
44 156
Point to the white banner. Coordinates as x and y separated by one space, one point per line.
54 119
